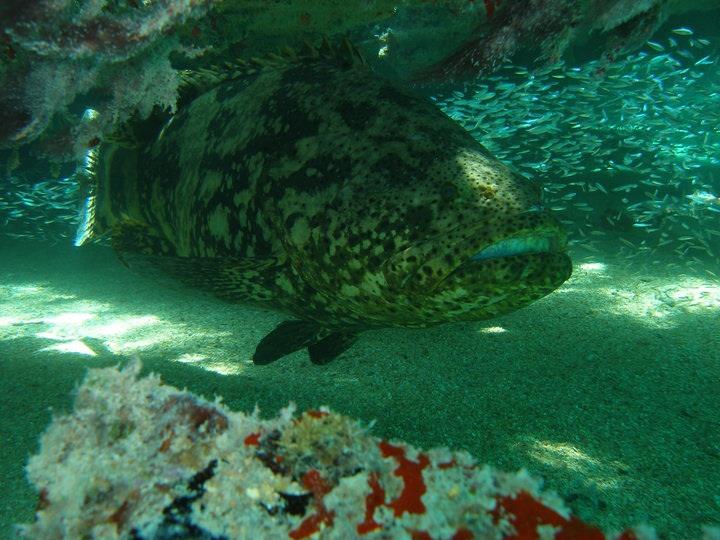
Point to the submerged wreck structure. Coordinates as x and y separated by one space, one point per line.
122 58
142 460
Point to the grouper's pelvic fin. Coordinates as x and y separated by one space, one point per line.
323 344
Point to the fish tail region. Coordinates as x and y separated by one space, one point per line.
86 176
107 179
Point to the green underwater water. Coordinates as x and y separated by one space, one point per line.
607 388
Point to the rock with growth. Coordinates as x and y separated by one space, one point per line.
139 459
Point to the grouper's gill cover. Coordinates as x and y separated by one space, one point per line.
310 185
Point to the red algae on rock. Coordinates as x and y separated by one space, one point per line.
139 459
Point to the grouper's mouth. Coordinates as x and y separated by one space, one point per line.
550 241
422 267
521 245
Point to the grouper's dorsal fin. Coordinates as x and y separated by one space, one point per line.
343 54
124 135
136 132
194 82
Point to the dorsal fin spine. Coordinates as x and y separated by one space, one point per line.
201 80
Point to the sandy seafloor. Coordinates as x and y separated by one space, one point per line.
609 388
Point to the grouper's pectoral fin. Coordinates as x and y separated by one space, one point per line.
289 336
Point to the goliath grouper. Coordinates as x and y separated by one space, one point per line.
305 183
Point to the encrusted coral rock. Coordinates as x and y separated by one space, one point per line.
138 459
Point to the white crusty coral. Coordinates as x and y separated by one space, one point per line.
138 459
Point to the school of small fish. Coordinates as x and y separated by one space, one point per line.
628 152
46 210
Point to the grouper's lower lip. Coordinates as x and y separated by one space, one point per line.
520 245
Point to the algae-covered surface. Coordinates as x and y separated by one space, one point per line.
607 388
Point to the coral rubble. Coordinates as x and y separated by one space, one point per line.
139 459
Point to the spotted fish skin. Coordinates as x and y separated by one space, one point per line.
315 187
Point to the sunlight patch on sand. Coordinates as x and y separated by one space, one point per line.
566 456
